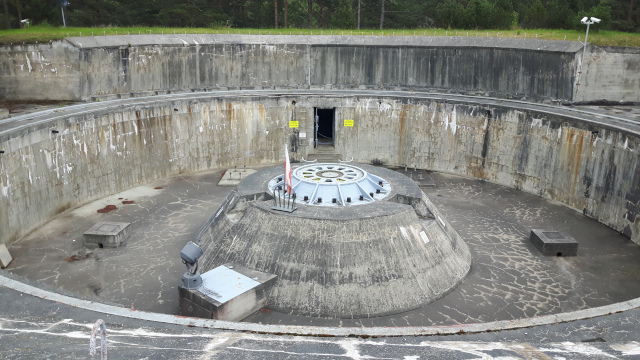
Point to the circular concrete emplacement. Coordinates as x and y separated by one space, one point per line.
374 259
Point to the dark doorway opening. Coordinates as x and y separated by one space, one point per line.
325 126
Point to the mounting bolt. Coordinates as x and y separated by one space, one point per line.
348 199
380 182
55 131
361 197
377 191
319 200
306 198
279 179
371 194
334 200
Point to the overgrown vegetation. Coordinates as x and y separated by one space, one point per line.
620 15
46 33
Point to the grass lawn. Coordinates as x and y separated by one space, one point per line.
35 34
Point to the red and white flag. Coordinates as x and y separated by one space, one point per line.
287 171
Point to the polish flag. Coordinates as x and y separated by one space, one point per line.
287 171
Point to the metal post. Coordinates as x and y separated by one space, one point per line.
584 48
317 120
64 22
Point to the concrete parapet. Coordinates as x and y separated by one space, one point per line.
90 67
587 162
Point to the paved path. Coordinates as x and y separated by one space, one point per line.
36 328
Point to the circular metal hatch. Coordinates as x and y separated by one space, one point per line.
332 185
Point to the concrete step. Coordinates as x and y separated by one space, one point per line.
325 157
324 149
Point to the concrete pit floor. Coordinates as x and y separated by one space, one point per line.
509 279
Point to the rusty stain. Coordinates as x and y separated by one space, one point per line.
62 208
126 202
76 257
231 112
139 125
403 127
107 208
158 188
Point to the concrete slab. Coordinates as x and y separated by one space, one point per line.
419 176
223 284
5 256
555 243
229 292
233 177
107 234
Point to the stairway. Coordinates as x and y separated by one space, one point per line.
325 154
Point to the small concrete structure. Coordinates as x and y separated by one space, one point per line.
233 177
4 113
551 242
107 234
229 292
5 257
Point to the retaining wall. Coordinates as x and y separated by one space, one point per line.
124 66
101 149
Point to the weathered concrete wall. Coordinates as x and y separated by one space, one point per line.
610 73
49 71
484 71
100 152
82 68
592 168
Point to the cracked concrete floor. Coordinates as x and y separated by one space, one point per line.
509 279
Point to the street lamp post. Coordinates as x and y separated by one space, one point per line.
587 21
63 3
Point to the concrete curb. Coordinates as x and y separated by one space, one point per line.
317 330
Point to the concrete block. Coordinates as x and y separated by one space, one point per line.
555 243
5 257
107 234
232 177
229 292
4 113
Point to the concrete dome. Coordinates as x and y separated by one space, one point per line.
373 259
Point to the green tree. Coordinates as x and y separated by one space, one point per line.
479 14
450 14
535 16
343 16
601 11
560 15
502 16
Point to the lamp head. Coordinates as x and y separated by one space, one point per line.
191 253
595 20
584 20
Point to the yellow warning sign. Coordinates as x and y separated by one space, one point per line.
294 124
348 122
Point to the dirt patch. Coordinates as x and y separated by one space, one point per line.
76 257
107 208
96 288
128 202
158 188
